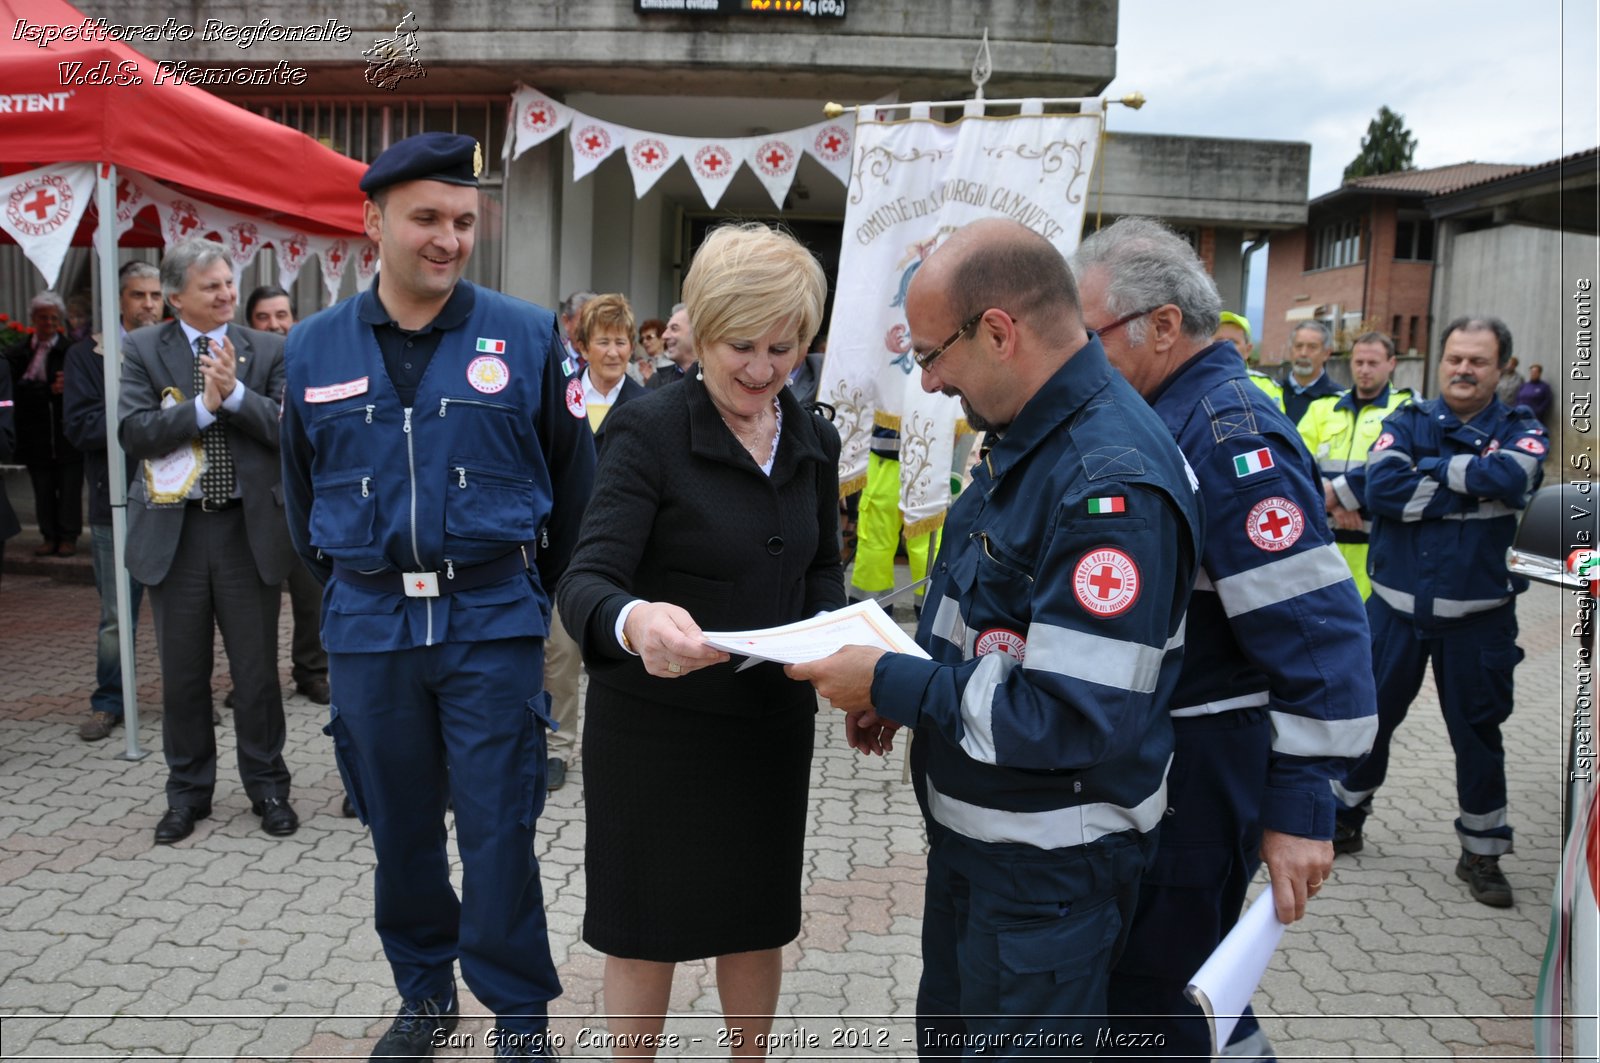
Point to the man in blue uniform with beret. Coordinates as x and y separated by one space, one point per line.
1055 625
436 468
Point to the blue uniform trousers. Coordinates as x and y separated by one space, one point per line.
467 720
1021 972
1192 895
1473 661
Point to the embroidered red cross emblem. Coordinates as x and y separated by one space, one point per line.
420 585
334 258
592 142
1273 523
246 237
1105 581
537 118
650 155
124 190
713 162
776 159
42 202
187 222
834 143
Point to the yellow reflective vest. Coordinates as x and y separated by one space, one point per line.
1273 389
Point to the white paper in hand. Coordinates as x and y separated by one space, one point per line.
860 624
1228 979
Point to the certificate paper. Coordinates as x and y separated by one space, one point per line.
861 624
1226 982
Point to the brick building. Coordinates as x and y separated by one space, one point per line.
1364 259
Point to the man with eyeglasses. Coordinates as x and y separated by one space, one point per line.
1055 627
1276 698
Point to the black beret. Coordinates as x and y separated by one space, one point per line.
452 158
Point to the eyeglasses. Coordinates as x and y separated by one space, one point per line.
1123 320
927 358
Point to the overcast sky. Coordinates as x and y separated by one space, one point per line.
1475 81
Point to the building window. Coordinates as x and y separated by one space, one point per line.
1336 243
1394 330
1413 239
1412 344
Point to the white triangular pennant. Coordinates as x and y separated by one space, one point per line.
592 142
335 256
650 155
831 142
244 241
41 211
713 163
366 264
537 117
182 218
774 159
292 249
132 197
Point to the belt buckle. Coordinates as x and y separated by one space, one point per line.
420 584
207 507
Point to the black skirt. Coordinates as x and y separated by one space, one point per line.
696 828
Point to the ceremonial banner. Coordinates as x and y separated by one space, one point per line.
914 181
41 209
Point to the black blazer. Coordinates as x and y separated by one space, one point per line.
8 443
681 513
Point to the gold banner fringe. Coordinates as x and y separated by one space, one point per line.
925 526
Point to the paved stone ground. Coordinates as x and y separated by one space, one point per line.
236 946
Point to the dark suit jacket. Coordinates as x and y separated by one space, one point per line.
8 444
40 439
157 358
84 408
680 513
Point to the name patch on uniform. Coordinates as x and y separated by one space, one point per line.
1252 463
1384 442
999 640
575 404
1275 524
488 346
1106 582
1532 444
488 374
335 392
4 403
1108 504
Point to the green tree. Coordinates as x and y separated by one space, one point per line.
1386 148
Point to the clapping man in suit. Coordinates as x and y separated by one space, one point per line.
206 530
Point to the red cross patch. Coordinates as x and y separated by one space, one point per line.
575 405
999 640
1275 524
1532 444
1384 441
1106 582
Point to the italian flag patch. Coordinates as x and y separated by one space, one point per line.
1109 504
491 346
1253 462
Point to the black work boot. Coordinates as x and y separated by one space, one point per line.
416 1029
1484 879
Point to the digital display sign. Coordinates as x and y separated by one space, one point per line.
770 8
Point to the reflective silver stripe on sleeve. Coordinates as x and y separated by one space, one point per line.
1283 579
948 625
1456 473
1484 820
1400 601
1056 828
1375 456
1453 608
1302 736
1347 497
1209 708
977 705
1096 659
1527 462
1349 798
1334 466
1253 1049
1484 846
1419 499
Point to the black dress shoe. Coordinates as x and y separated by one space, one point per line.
227 702
555 773
347 809
316 690
277 818
179 823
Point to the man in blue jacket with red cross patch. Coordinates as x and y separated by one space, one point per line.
1445 483
1055 624
436 466
1275 698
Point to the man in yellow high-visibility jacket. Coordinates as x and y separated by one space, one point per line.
1235 328
1340 429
